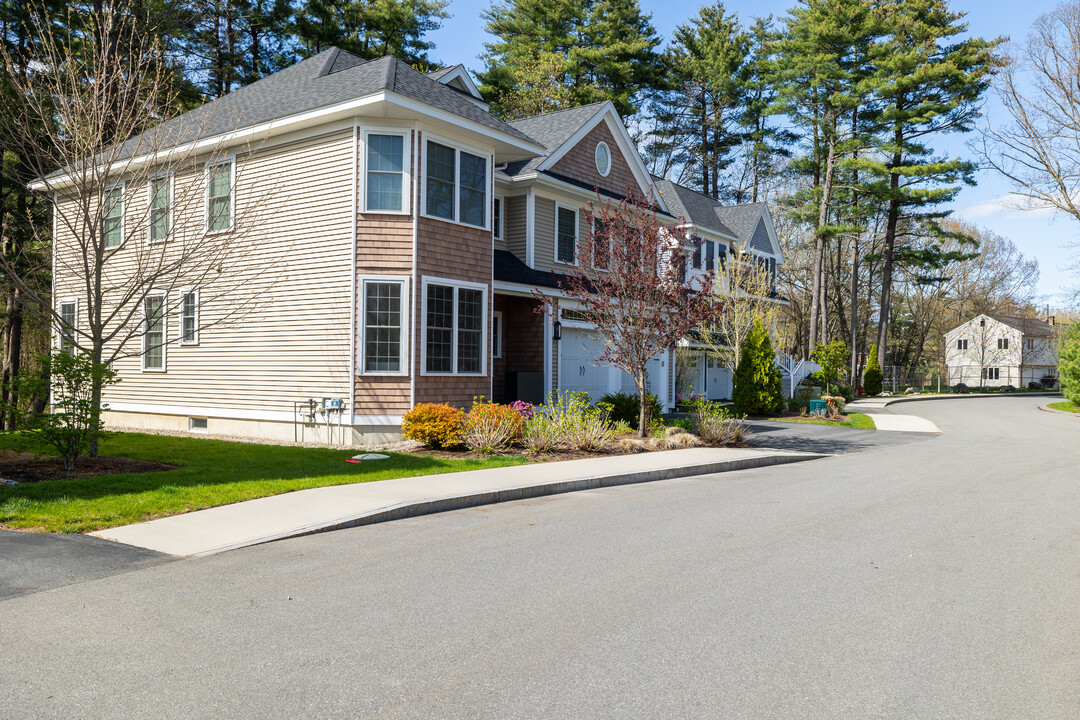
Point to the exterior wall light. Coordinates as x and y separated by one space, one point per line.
556 330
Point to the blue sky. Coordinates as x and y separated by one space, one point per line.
1037 234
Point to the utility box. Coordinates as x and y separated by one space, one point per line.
527 386
819 407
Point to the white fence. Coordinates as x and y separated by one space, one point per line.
793 371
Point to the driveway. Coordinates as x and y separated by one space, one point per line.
929 579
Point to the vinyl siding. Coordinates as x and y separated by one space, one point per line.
515 225
280 295
544 229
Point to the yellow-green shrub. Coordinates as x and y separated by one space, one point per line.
434 425
490 427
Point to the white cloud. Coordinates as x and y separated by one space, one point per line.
1007 207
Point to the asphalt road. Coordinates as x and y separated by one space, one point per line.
931 579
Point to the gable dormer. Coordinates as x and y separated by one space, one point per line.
456 77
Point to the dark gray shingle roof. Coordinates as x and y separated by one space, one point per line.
330 77
693 206
743 220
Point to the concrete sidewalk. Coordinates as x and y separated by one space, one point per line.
303 512
886 420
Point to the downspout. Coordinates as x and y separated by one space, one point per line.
414 312
352 273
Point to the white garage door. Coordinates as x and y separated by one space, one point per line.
579 369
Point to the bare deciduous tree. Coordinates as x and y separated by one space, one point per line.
746 287
1039 150
142 204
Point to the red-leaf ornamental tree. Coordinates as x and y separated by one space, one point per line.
629 282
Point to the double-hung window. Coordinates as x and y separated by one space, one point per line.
962 344
219 197
385 172
1030 344
160 208
153 350
1003 343
112 217
456 185
189 317
710 256
383 330
991 373
696 262
68 319
565 234
454 320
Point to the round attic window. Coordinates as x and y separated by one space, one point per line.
603 159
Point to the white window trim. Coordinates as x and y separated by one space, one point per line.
498 233
231 161
180 316
164 332
596 159
150 210
496 350
406 314
458 147
122 187
58 344
406 175
484 332
961 344
577 230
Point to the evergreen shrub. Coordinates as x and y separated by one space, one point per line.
757 388
1069 363
872 378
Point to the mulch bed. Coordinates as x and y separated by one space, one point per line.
28 468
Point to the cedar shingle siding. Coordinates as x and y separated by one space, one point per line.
579 163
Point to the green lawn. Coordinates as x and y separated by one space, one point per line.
1067 406
860 421
211 472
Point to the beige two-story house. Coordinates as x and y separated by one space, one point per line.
391 240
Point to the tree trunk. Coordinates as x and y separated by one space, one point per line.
642 400
890 246
818 285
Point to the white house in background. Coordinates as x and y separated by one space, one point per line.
996 351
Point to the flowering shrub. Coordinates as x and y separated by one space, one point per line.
435 425
525 409
835 404
490 427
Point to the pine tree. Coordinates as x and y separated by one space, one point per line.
757 387
371 28
766 143
821 70
606 49
927 85
872 378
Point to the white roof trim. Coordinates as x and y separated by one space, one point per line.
607 113
308 118
777 252
458 72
